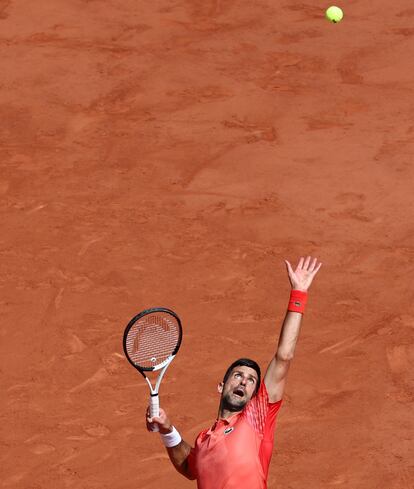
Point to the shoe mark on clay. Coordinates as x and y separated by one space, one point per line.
220 296
292 37
4 5
202 9
208 93
254 132
75 344
13 480
404 320
399 358
53 305
44 38
350 198
58 298
120 101
350 341
18 135
96 430
348 68
283 62
113 362
341 345
354 207
337 117
207 163
88 243
224 339
42 449
74 452
4 187
156 456
251 318
398 149
327 121
328 399
78 438
338 479
406 13
300 418
404 31
79 123
154 471
310 10
100 375
129 31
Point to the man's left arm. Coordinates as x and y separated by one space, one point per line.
300 280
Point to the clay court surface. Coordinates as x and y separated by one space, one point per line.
173 153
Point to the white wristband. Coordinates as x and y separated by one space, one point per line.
171 439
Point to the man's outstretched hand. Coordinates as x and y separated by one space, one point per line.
302 277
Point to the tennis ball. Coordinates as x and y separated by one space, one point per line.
334 14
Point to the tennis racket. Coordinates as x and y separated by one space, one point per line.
151 341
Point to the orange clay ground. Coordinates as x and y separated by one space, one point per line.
174 153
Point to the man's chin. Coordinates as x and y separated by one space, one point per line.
234 405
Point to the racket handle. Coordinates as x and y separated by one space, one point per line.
154 410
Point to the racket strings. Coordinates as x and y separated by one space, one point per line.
152 339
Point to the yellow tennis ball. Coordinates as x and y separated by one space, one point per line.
334 14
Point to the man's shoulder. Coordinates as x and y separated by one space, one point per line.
260 409
261 396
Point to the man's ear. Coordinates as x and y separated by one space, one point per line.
220 388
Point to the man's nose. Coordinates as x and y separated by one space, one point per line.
243 381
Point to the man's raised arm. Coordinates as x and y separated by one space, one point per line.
178 449
300 280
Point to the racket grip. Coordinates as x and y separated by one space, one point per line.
154 410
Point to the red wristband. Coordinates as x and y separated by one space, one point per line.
297 301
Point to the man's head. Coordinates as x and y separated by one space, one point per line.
240 383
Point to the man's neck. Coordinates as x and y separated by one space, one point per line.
226 413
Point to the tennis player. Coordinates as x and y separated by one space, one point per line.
235 452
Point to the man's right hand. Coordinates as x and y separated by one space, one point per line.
162 421
178 454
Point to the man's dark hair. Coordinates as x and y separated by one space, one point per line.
244 362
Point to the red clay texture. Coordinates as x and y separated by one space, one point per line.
161 153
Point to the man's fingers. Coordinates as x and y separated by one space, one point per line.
289 268
148 423
306 264
300 264
154 419
315 270
291 273
312 265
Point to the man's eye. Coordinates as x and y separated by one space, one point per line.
251 381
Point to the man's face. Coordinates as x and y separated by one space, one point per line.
238 389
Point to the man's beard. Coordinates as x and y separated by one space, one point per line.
228 403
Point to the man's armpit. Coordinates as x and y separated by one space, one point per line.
187 471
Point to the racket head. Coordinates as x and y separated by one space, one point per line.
152 338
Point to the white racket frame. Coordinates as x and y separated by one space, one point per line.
154 404
155 398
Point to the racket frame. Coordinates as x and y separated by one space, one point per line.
154 396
